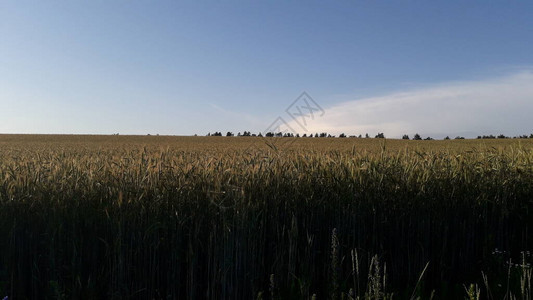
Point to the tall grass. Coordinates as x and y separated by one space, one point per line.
213 218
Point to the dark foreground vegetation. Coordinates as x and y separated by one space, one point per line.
194 218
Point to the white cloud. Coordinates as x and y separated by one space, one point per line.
501 105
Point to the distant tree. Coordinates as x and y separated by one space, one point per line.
297 135
501 136
360 136
428 139
305 135
447 138
380 135
229 133
367 136
316 134
342 135
323 134
531 136
459 138
239 133
417 137
209 134
260 134
405 137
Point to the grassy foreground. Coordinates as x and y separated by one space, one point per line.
159 217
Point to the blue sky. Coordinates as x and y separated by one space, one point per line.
183 67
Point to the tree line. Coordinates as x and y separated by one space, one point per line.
381 135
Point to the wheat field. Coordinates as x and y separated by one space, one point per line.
162 217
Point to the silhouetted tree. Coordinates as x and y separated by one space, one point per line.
380 135
342 135
229 133
367 136
417 137
447 138
486 137
405 137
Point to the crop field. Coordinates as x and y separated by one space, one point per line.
159 217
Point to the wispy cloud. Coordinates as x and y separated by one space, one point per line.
499 105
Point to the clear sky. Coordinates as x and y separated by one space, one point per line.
184 67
